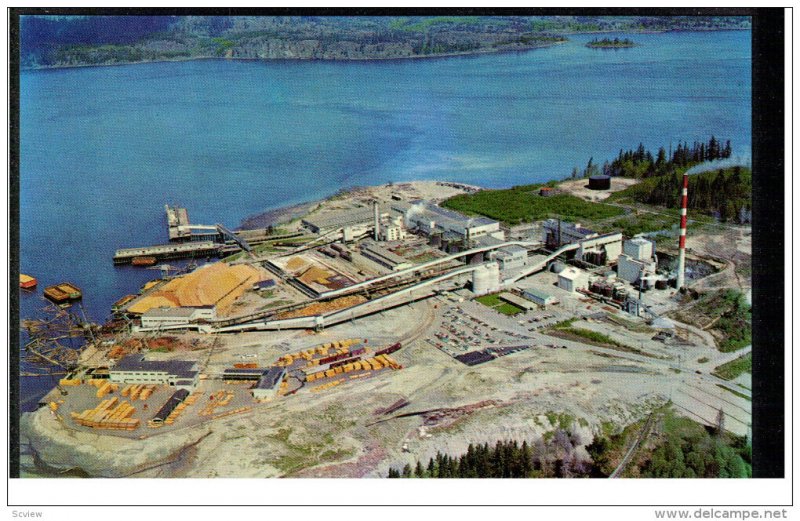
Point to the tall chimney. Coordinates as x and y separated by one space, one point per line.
682 240
377 220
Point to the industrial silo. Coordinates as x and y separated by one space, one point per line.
486 279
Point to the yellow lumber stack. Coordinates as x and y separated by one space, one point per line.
225 401
234 411
388 361
103 390
67 382
221 399
126 390
283 388
134 394
146 392
327 385
108 415
192 398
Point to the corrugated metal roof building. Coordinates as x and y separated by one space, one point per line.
177 397
539 297
269 384
134 369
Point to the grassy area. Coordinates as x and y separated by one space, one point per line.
642 220
497 304
564 323
736 323
594 336
565 329
523 204
489 300
264 248
508 309
562 420
734 368
731 315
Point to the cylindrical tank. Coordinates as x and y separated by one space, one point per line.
486 279
599 182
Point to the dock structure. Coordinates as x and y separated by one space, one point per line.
177 223
181 230
168 251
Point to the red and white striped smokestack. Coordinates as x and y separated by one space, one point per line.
682 240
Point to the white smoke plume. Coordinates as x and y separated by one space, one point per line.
411 212
717 164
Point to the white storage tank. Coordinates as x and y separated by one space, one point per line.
486 279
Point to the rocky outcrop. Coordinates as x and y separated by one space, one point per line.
99 455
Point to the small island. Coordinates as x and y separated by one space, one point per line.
608 43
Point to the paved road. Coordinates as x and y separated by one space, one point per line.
729 357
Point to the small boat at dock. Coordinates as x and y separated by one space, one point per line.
144 261
27 282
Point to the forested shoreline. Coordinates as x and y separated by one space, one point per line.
71 41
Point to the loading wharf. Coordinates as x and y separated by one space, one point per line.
170 251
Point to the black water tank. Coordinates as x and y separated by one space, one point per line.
599 182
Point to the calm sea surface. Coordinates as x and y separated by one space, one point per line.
103 149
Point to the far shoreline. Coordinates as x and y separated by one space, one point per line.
464 54
377 59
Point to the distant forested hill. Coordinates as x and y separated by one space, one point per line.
53 41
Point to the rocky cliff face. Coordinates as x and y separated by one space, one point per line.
98 455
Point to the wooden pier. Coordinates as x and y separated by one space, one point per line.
169 251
